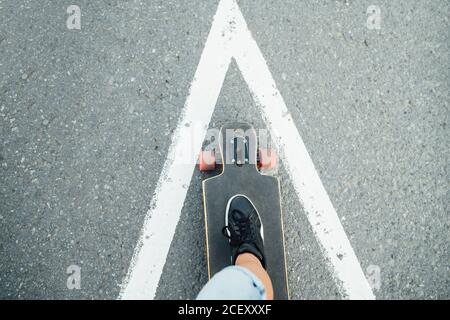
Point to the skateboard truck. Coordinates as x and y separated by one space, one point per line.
266 158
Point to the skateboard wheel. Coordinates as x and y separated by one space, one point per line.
267 158
207 160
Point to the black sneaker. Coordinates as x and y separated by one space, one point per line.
243 228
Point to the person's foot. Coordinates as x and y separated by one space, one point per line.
243 228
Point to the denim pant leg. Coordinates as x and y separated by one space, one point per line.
233 283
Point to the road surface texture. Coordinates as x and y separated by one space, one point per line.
86 118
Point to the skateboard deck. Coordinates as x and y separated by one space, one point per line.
240 175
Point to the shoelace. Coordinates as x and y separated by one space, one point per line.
246 232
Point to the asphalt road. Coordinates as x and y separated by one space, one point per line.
86 119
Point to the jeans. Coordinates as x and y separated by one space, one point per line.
233 283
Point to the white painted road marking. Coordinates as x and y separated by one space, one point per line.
229 37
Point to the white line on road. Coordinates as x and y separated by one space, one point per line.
299 166
230 37
159 226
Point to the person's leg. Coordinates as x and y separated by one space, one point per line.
252 263
247 279
233 283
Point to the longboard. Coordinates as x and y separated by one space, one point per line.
239 160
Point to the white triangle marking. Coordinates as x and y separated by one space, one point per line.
229 38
